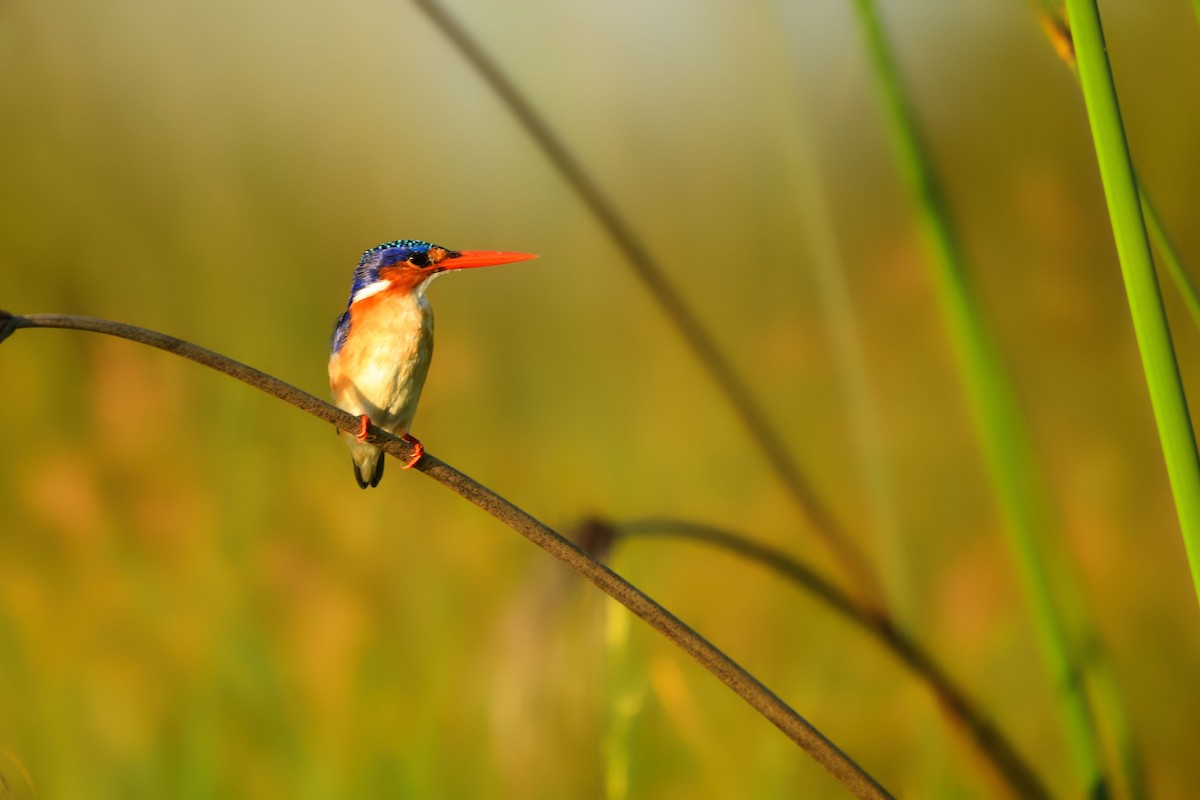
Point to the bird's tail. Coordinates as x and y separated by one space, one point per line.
367 461
368 472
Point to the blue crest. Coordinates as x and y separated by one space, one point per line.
384 255
367 272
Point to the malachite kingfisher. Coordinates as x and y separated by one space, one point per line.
383 343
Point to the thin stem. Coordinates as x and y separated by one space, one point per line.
669 300
745 685
1137 268
990 741
1170 256
1058 33
1011 466
1100 674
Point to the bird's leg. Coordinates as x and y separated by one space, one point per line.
361 436
418 450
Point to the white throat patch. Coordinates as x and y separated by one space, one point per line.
368 290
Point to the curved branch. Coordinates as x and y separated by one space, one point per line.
990 741
671 302
724 668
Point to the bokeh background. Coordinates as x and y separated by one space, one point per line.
196 600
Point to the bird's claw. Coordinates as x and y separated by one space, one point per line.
417 453
418 448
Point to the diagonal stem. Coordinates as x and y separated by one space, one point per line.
669 300
1153 334
1170 256
990 741
729 672
1058 33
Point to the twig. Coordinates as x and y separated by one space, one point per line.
990 741
727 671
653 276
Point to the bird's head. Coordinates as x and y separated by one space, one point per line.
409 265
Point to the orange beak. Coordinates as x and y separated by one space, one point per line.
469 259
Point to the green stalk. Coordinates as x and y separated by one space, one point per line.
626 698
1137 268
1006 450
1170 256
1059 34
1102 681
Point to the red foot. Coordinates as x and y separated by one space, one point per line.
418 450
361 436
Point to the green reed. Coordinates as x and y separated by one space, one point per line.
1137 268
998 421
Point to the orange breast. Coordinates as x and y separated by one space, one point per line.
381 368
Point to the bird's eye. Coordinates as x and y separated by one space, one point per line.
419 260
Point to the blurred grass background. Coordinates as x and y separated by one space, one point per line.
196 599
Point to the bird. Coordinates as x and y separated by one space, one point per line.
382 344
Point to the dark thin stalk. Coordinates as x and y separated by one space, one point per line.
745 685
990 741
670 301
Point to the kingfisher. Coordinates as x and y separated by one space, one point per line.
383 342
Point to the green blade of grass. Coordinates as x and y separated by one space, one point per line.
1110 704
1006 450
1170 257
1059 35
1137 268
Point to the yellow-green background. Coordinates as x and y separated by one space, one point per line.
196 600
